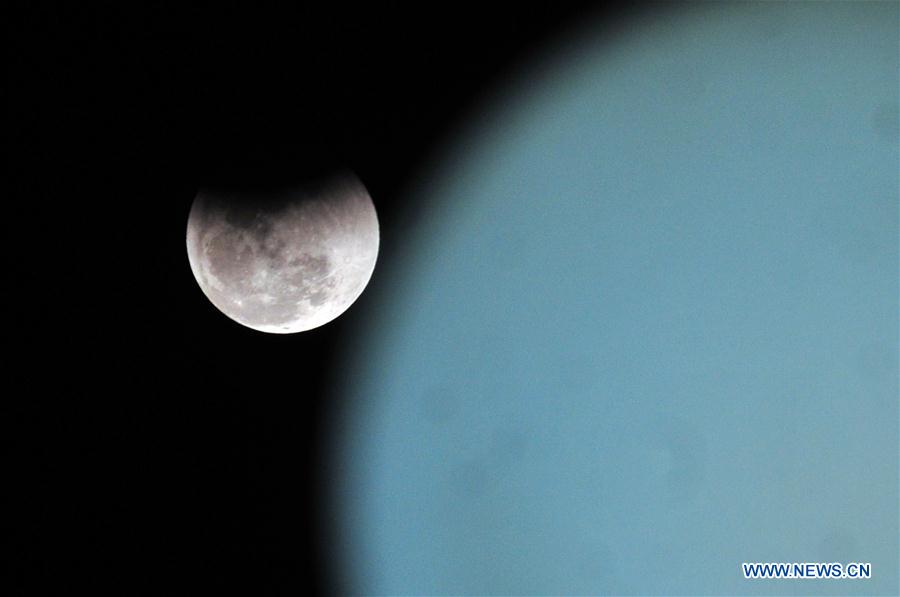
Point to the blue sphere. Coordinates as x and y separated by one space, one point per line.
648 329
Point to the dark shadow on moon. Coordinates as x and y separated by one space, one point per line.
285 259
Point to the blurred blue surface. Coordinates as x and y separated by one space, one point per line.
649 330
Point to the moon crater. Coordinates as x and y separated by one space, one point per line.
285 261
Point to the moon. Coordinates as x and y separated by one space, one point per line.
288 260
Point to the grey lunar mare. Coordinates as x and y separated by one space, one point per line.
284 261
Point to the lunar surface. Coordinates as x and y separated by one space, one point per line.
284 261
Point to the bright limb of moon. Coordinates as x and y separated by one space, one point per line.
284 261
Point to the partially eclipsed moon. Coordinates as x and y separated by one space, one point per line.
284 261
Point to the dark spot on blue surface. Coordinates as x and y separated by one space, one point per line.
439 404
470 478
886 122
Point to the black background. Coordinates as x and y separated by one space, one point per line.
159 447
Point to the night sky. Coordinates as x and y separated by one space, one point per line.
167 449
159 448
